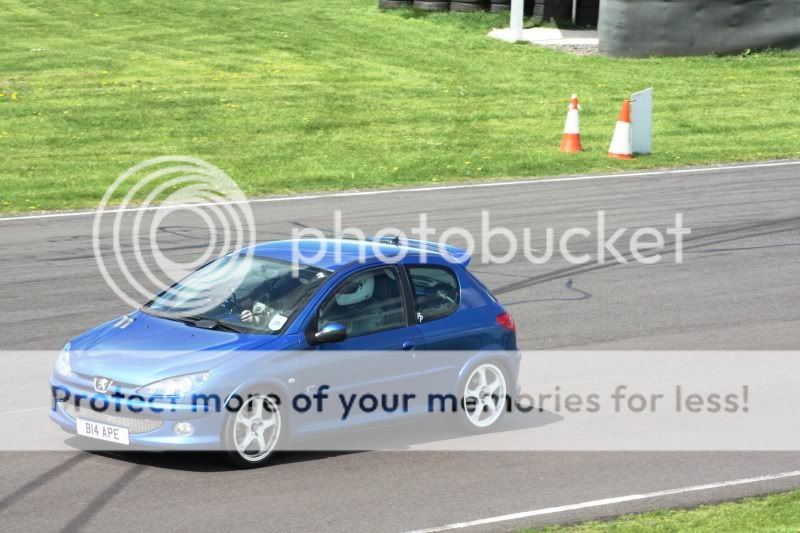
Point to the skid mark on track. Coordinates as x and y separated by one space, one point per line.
102 499
569 285
326 231
41 480
736 233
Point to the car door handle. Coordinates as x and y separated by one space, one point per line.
408 346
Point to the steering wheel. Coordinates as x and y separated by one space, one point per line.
231 304
441 293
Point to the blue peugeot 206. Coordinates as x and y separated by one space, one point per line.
248 353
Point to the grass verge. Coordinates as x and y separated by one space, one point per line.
297 95
780 512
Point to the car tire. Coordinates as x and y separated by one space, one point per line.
254 431
484 397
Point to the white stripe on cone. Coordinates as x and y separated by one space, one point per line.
573 124
622 144
571 140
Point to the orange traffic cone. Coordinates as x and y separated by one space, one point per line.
571 141
621 144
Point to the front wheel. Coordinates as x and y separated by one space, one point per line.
485 394
253 432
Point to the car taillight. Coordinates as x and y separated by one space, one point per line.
506 320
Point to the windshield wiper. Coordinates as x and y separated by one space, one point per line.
208 323
197 321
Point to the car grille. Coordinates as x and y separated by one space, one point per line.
133 423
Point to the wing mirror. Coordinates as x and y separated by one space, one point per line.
330 333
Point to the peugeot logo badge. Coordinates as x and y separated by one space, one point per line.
102 384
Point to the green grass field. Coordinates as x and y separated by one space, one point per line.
773 513
295 95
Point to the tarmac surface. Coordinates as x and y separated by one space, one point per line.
737 288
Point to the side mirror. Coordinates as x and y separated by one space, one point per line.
330 333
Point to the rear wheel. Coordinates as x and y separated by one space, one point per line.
485 395
253 432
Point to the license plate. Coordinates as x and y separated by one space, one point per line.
104 432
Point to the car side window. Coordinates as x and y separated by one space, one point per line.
436 292
368 302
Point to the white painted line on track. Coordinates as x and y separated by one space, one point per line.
409 190
608 501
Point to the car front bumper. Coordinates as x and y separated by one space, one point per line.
151 426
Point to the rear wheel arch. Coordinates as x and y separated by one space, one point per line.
494 356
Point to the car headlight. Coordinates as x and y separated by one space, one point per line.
62 367
177 386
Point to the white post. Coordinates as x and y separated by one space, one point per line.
517 16
574 11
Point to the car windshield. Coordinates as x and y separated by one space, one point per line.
240 293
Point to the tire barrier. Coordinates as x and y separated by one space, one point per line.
586 13
500 5
426 5
468 5
548 10
497 6
690 27
395 4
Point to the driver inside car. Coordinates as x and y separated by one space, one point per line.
353 306
265 306
257 315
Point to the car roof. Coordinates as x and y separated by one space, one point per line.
332 254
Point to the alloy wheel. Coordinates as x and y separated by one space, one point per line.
485 395
256 428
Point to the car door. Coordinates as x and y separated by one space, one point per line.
378 357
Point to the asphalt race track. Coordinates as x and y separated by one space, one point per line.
738 288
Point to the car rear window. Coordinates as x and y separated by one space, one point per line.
436 292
